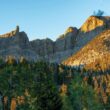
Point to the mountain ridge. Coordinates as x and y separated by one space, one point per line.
96 52
17 43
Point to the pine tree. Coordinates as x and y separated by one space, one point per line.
82 96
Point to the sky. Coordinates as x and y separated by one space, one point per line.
47 18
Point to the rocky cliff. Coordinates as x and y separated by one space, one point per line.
96 54
17 44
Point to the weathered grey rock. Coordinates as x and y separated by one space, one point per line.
67 40
95 52
88 31
42 47
17 43
19 40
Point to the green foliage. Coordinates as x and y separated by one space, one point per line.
98 13
39 84
37 79
82 96
46 92
66 102
107 105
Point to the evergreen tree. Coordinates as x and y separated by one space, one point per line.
66 102
82 96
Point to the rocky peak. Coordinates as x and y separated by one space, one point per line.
14 39
17 43
66 40
96 51
22 40
71 30
11 34
92 23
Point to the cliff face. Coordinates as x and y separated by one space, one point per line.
67 40
17 43
96 52
42 47
92 23
54 51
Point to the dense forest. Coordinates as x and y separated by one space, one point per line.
43 86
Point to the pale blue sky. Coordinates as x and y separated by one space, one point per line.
47 18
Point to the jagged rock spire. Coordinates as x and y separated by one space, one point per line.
10 34
17 29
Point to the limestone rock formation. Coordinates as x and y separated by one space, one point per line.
17 44
10 34
96 52
20 40
67 40
73 39
90 29
92 23
54 51
71 30
42 47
